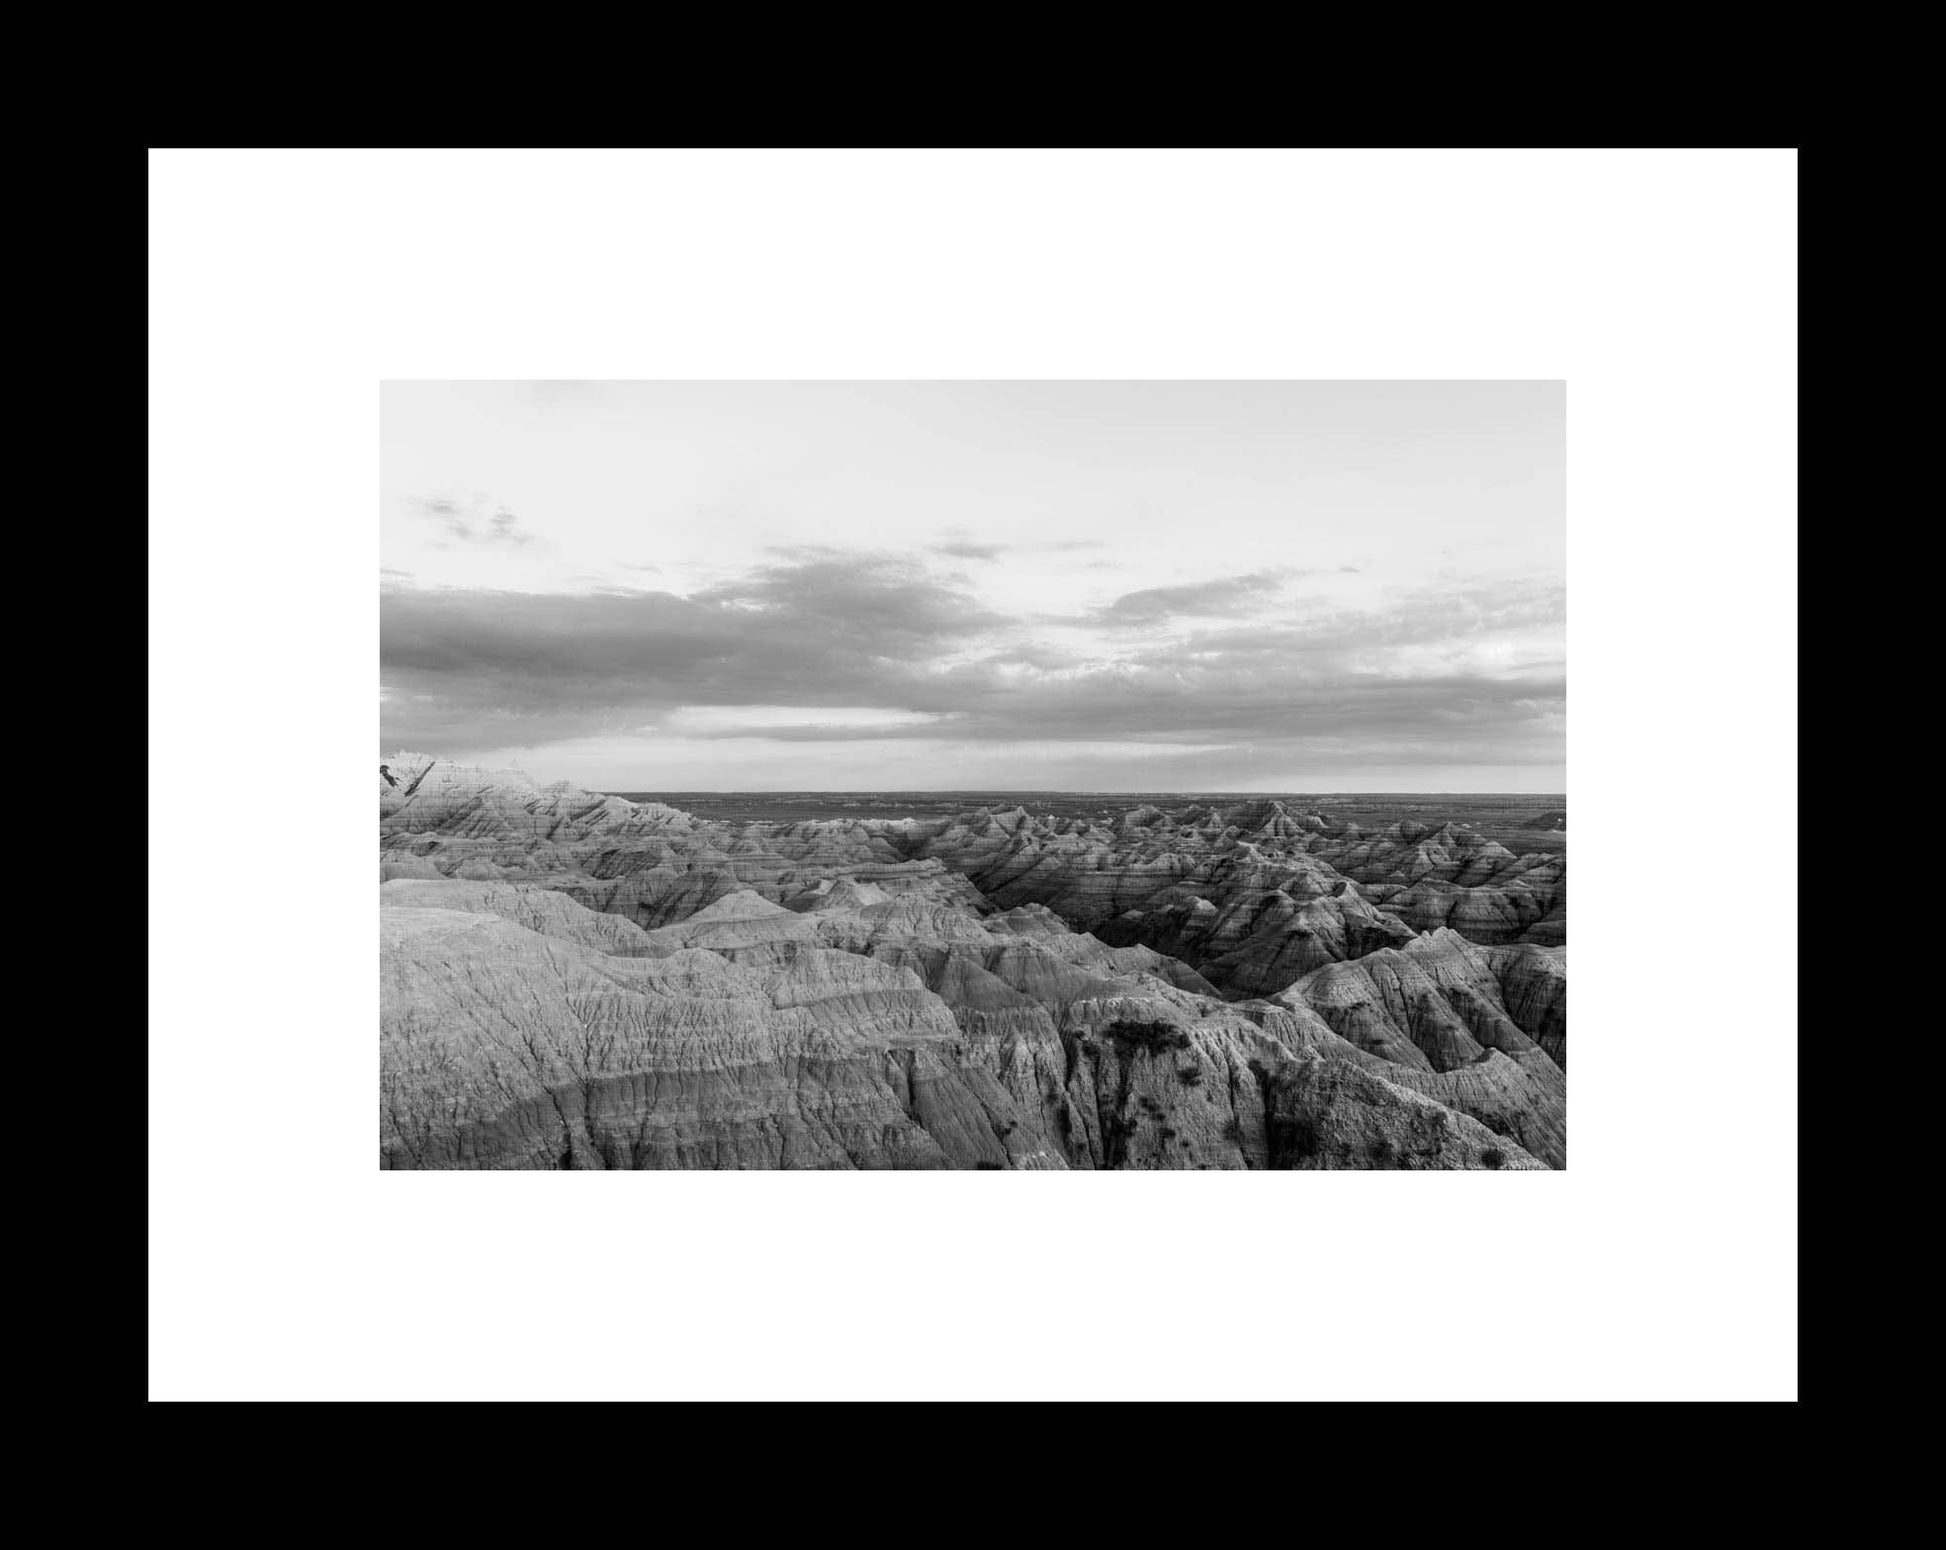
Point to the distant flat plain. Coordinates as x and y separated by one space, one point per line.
1500 816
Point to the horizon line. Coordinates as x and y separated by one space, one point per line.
1065 791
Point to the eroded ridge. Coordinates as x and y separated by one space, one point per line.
572 980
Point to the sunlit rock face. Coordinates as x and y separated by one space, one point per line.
577 981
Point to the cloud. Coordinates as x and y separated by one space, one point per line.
875 604
1226 595
466 665
824 723
473 519
963 550
831 648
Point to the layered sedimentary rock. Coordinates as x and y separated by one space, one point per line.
506 1049
1460 1023
1257 894
1252 896
645 862
576 981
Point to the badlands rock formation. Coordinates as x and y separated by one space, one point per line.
1258 893
571 980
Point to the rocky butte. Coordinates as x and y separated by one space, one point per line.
573 980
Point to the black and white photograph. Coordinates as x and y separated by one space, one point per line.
900 677
993 775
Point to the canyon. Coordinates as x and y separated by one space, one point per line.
577 980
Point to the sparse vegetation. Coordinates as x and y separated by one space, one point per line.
1293 1136
1382 1152
1190 1076
1493 1157
1151 1037
1233 1130
983 1166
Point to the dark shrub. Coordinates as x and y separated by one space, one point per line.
1493 1157
1293 1135
1190 1076
1233 1130
1381 1151
984 1166
1151 1037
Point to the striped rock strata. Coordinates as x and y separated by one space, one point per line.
574 981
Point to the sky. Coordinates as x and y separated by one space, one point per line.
1091 586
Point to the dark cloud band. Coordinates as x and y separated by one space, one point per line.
473 670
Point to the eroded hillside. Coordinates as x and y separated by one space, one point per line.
575 980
